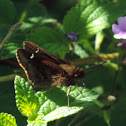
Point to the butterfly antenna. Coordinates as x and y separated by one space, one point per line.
94 67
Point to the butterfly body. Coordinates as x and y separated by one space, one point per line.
45 69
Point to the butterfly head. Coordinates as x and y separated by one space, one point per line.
79 73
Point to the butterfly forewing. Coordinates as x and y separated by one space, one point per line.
42 54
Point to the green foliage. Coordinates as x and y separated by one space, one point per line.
98 41
89 17
78 50
27 101
37 8
39 121
28 12
7 12
52 40
118 114
35 21
46 24
52 104
11 46
7 120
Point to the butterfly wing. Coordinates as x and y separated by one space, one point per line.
42 54
38 64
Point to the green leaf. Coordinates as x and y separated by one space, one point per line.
52 40
39 121
57 104
89 17
51 105
87 46
10 47
7 120
39 10
36 21
9 50
27 101
78 50
7 12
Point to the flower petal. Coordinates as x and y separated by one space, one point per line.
115 28
72 36
122 22
119 29
121 35
122 44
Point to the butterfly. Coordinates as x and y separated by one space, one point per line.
45 69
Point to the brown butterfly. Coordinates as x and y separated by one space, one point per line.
45 69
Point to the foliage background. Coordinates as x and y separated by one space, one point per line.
50 13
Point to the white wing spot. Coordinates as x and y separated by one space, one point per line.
37 50
32 56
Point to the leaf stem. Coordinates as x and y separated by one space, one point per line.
13 29
9 77
95 58
27 7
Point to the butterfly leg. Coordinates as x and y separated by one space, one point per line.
68 93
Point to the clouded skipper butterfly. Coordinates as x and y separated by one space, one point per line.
45 69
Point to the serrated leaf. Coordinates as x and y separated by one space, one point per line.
57 104
51 40
7 120
75 21
89 17
39 121
51 105
26 100
7 12
10 47
9 50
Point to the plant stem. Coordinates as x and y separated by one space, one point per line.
10 77
13 29
27 7
95 58
7 78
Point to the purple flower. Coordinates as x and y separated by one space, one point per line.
120 29
122 44
72 36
